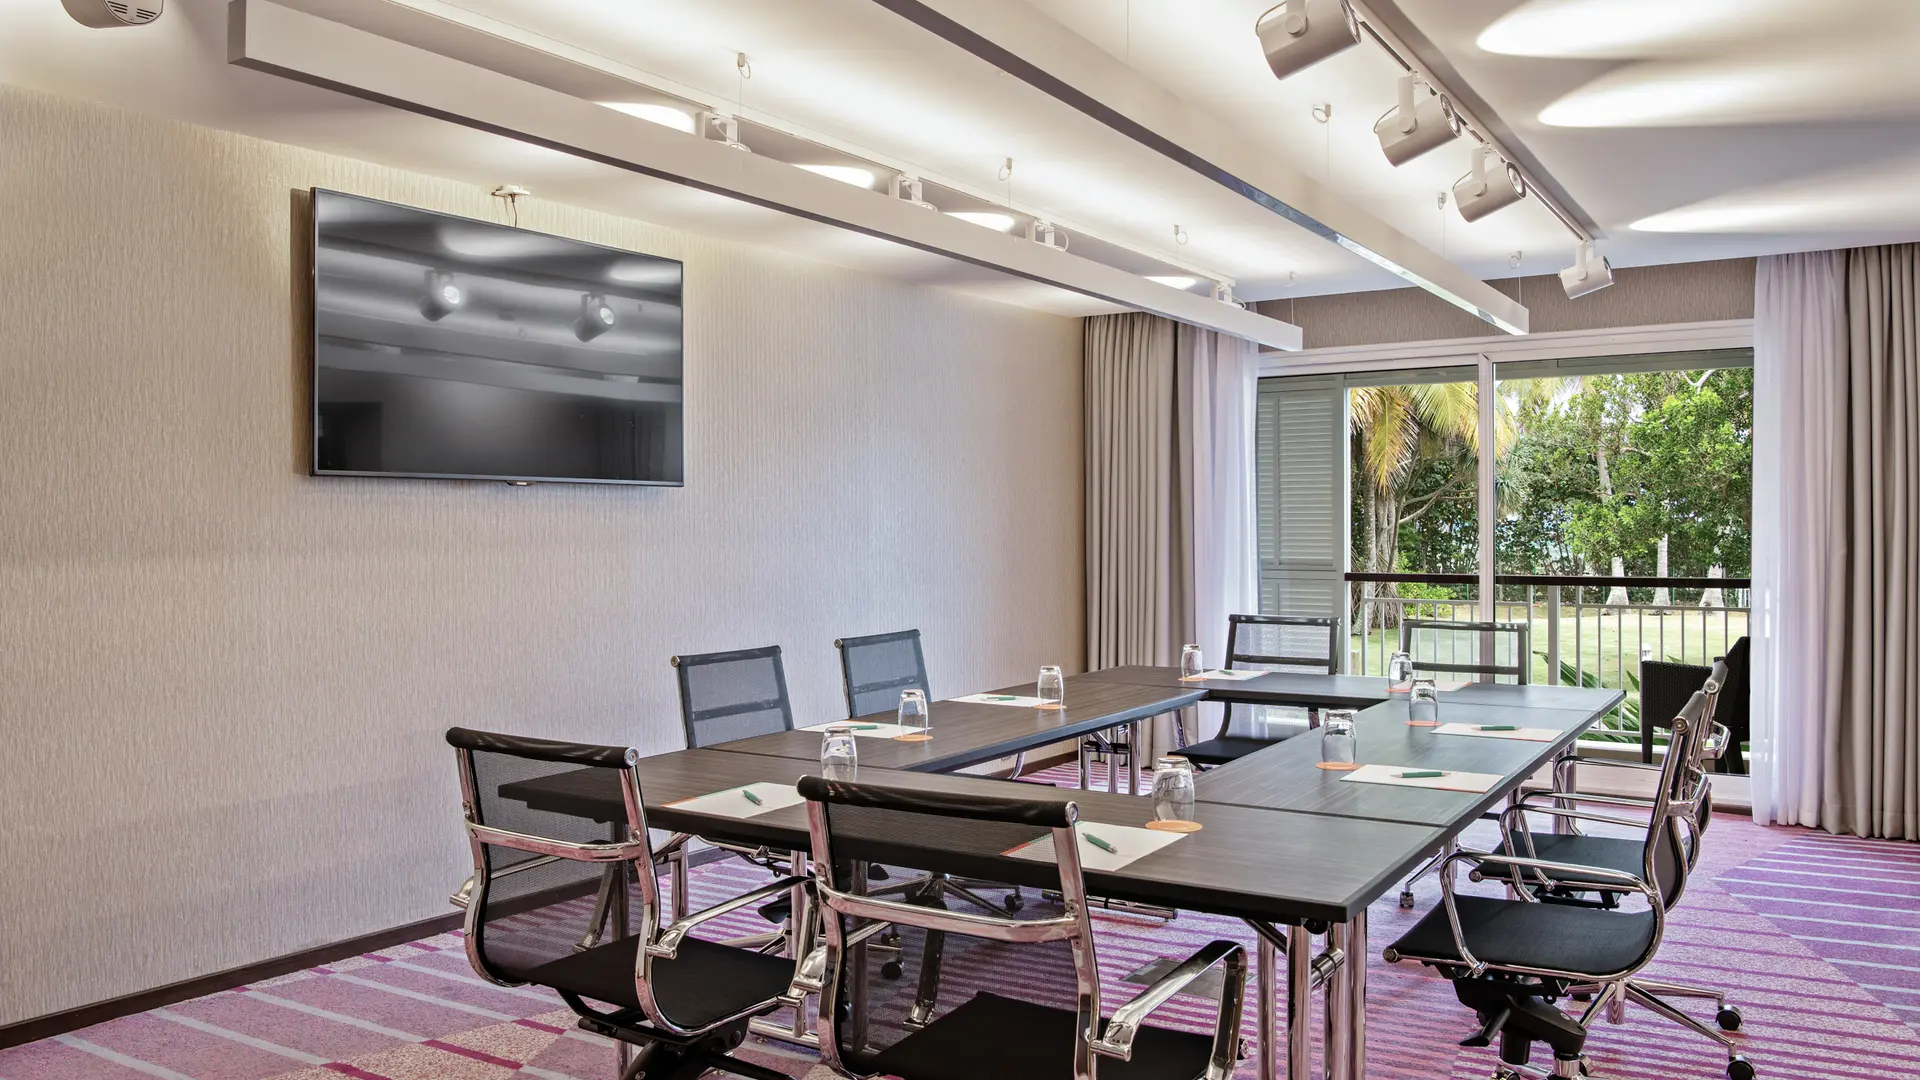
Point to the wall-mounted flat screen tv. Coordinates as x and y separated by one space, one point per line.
451 348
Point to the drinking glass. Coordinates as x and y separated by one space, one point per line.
1399 669
1336 740
1173 789
1423 704
1190 663
839 753
914 716
1052 687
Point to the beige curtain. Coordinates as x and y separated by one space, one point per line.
1130 467
1170 494
1871 785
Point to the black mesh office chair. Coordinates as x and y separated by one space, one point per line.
1471 651
1511 958
874 669
1700 745
732 695
568 902
1267 643
938 1025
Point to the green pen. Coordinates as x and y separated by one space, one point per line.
1496 727
1101 844
998 697
1423 774
751 797
864 727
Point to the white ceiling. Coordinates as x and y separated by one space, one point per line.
1818 149
1696 129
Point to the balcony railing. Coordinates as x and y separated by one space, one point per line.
1577 637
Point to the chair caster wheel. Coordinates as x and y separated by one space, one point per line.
1013 903
1406 899
1728 1018
890 970
1740 1069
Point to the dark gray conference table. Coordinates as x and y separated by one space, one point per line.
1286 845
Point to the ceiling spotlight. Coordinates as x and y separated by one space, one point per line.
596 317
846 174
984 219
1589 273
1044 232
1486 189
908 188
1297 34
664 115
1223 292
443 297
1414 127
1174 281
727 127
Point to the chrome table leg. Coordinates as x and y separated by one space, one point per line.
1268 1004
1339 1012
1299 1003
1357 995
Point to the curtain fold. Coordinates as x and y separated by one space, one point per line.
1837 578
1170 490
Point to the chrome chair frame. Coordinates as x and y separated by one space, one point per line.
1073 925
633 857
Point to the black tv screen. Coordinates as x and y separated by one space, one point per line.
453 348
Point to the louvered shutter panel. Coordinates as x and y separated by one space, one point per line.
1301 460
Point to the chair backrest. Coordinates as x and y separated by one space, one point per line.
732 695
875 668
1484 651
854 824
541 860
1283 643
1673 829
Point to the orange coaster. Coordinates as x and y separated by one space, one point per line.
1337 766
1050 706
1423 723
1175 826
912 738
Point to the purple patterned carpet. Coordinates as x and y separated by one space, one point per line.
1817 939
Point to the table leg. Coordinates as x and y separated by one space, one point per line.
1339 1011
1081 743
1357 995
1267 1002
799 936
622 1051
1299 1003
1113 761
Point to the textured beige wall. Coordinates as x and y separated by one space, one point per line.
1639 296
223 682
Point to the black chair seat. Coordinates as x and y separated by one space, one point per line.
1226 748
1009 1039
1601 852
1514 933
705 983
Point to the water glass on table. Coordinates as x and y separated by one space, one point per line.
1399 669
1423 704
1190 663
839 753
1173 795
1337 742
914 718
1051 688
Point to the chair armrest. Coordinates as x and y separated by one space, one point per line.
1634 802
670 939
1562 764
1476 966
1117 1040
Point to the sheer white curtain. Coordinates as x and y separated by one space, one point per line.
1799 387
1170 489
1837 552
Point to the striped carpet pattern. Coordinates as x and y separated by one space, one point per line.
1816 939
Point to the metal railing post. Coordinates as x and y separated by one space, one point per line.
1553 635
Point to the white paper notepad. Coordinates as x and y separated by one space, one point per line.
1476 783
733 802
865 730
1524 734
1015 700
1131 844
1229 676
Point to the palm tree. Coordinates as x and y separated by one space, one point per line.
1395 430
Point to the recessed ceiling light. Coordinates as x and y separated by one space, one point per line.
664 115
1174 281
846 174
986 219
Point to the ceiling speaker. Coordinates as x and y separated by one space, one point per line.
106 14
